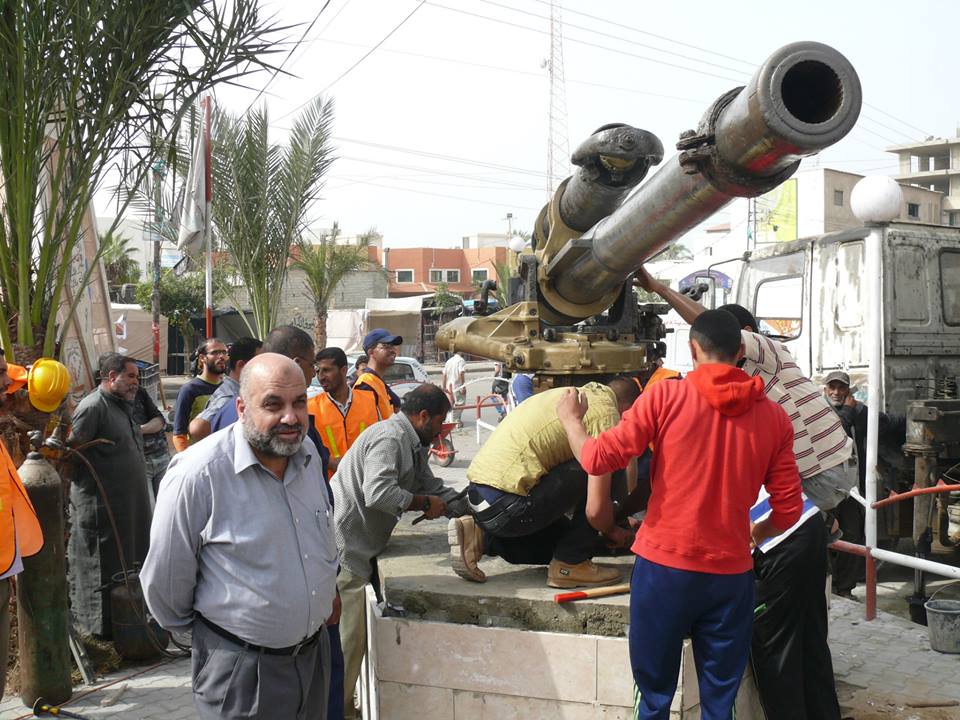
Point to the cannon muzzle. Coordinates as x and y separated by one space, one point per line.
803 99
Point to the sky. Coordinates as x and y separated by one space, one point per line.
442 106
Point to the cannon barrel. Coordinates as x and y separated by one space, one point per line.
804 98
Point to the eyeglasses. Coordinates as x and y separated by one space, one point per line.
215 353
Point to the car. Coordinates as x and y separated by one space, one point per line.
402 377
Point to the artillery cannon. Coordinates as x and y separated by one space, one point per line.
573 315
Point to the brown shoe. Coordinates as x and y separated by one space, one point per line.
585 574
466 548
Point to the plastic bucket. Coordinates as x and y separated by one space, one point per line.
943 625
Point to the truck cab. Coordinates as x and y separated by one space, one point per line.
812 292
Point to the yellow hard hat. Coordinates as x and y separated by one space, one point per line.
48 384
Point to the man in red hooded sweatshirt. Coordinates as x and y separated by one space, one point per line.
718 439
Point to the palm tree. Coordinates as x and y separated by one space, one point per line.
82 84
262 194
324 265
118 262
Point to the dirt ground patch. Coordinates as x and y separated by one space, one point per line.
858 703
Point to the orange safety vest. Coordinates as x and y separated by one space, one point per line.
370 382
18 519
337 431
659 374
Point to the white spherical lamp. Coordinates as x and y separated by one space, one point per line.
516 244
876 199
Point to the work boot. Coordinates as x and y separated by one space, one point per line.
466 548
585 574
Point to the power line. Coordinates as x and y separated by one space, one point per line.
362 58
454 197
666 39
439 156
580 42
613 37
325 27
894 117
654 35
516 71
352 180
289 54
505 183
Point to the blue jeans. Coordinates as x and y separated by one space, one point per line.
716 611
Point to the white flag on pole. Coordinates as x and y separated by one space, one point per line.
193 220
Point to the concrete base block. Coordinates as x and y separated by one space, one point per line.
420 669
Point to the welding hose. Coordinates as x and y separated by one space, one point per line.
141 616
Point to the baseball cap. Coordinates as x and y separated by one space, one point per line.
838 375
18 376
379 335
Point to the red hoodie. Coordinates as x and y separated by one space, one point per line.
718 439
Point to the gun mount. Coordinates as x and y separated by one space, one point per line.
574 316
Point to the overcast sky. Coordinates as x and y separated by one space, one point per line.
442 129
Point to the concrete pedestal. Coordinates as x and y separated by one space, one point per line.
444 648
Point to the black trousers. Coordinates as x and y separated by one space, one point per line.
539 529
848 569
790 655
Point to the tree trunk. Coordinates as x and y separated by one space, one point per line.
24 417
320 328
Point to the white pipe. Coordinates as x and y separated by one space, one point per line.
916 563
874 381
855 494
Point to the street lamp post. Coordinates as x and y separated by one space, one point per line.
876 201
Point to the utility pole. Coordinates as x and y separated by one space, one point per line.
558 147
159 170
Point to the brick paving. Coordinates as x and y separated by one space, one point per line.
889 657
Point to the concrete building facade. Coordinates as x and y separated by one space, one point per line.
821 205
933 164
416 271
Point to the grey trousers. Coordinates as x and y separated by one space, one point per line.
230 682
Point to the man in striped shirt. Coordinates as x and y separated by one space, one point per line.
791 658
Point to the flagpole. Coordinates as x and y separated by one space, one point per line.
208 223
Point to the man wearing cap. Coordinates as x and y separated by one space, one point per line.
94 550
20 534
848 568
381 349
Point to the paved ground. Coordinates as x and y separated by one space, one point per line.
881 667
884 668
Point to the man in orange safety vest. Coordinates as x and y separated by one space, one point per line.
20 534
339 413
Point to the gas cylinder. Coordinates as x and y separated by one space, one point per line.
42 593
131 638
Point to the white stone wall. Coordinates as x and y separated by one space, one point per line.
442 671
